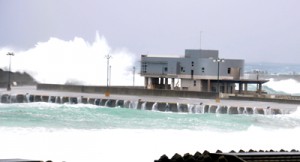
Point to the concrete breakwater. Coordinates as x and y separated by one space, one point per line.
240 156
140 104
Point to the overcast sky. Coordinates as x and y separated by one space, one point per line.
254 30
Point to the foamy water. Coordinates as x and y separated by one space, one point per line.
288 86
135 144
92 133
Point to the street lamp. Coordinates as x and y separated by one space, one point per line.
9 85
107 94
218 60
257 77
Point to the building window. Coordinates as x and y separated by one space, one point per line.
185 88
182 69
229 70
195 82
144 67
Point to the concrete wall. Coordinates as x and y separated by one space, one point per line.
288 101
188 83
139 104
196 53
126 91
158 66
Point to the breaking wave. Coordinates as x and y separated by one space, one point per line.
288 86
76 61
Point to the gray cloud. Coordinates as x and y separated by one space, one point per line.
253 30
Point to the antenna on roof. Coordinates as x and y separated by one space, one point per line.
200 38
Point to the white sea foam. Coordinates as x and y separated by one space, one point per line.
289 86
78 61
112 145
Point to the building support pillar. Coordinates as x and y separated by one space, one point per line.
166 83
259 88
150 83
246 87
240 88
208 86
173 84
225 87
162 86
146 82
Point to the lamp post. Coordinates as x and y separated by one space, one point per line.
9 68
218 60
257 77
107 94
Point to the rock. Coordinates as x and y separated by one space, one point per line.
163 158
177 158
188 158
219 151
207 158
252 150
197 154
205 152
241 151
222 159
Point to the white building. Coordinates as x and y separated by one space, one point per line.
198 70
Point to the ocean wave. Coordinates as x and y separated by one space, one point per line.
74 62
288 86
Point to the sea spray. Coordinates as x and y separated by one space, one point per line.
289 86
74 62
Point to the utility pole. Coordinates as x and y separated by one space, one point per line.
107 93
133 74
9 68
200 39
109 75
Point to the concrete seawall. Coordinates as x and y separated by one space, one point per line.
138 91
289 101
140 104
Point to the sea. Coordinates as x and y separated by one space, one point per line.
85 132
